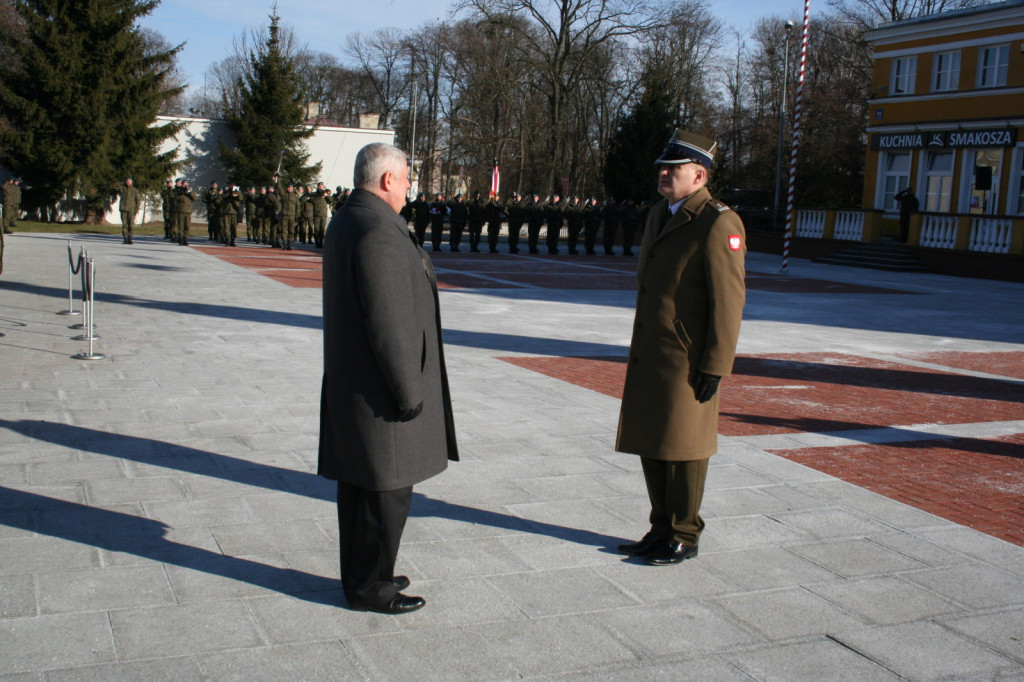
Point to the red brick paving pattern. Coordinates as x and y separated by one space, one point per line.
1005 363
976 482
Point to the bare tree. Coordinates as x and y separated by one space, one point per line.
567 34
381 56
870 13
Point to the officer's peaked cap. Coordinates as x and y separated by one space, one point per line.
684 147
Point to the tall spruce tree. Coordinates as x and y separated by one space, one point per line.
268 119
638 140
79 95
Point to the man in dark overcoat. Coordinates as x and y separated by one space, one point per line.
386 415
690 296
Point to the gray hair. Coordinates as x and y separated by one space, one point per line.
373 161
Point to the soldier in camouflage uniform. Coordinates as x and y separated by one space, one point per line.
212 200
166 202
229 216
128 198
272 213
183 199
249 202
289 214
321 209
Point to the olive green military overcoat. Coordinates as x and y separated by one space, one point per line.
690 296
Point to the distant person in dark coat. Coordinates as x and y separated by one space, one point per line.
385 414
908 204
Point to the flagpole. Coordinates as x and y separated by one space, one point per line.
791 194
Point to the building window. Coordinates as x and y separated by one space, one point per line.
981 182
903 71
938 181
946 67
993 63
895 177
1017 188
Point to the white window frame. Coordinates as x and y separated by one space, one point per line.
902 179
1016 181
939 201
993 75
904 73
946 76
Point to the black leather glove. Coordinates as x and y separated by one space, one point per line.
707 385
411 413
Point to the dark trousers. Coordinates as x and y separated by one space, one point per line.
533 235
611 227
475 230
493 232
436 234
590 236
455 235
421 232
572 239
513 236
628 237
370 525
676 490
554 232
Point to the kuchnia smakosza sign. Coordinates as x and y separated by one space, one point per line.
948 139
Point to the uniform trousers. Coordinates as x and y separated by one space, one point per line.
370 525
676 490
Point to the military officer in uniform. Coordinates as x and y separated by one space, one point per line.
690 296
321 209
289 214
555 218
272 214
458 216
591 225
630 225
493 212
438 211
611 216
183 212
230 204
420 217
534 221
516 212
166 202
574 217
128 199
477 215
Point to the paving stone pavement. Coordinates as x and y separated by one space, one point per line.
160 516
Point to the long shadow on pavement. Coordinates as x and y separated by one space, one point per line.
144 537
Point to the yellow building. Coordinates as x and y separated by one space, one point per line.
947 121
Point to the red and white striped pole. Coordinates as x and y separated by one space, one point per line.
790 195
495 180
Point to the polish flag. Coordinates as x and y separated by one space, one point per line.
495 180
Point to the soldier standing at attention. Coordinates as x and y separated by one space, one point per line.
420 217
534 221
555 218
249 202
574 217
458 214
321 210
212 200
306 219
492 212
128 198
166 201
516 217
438 211
183 209
477 216
591 225
289 214
229 216
688 310
630 225
12 204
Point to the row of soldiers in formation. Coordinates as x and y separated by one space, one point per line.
276 215
283 213
578 216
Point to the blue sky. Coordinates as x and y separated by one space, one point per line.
207 27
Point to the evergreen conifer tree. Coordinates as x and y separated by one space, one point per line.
79 96
629 170
268 120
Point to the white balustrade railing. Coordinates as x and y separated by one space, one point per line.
849 225
938 231
810 223
991 235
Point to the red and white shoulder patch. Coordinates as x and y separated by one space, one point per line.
735 242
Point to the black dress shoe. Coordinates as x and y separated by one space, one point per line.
401 582
398 604
671 553
647 544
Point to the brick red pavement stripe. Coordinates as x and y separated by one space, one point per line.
974 482
817 392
